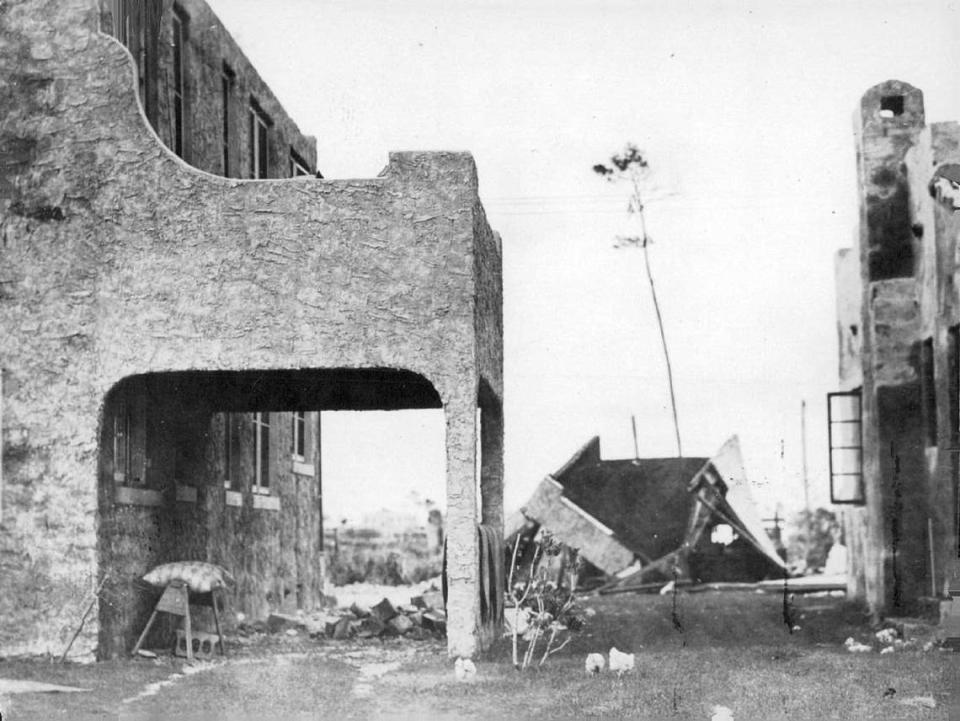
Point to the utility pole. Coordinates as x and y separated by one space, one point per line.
803 442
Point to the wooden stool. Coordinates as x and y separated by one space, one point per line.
176 600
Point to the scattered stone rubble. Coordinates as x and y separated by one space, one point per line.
893 637
423 618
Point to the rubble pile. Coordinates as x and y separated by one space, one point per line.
423 618
893 637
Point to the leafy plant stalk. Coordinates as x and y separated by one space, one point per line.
546 608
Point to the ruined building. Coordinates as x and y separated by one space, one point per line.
895 427
176 310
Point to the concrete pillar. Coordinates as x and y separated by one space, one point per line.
463 553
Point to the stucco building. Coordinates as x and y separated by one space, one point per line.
895 428
170 335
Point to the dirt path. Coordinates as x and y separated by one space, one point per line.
334 681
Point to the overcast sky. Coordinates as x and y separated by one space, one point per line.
745 110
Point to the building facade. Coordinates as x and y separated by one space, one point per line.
201 95
895 427
170 335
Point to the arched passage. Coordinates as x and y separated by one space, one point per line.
223 466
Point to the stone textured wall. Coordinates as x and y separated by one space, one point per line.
119 259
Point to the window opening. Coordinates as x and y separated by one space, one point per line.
258 141
231 447
121 444
227 81
928 392
844 431
891 106
261 432
299 445
179 85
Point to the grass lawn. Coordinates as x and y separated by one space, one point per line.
731 649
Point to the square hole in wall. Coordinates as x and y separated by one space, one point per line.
891 106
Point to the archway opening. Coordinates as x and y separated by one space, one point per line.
225 467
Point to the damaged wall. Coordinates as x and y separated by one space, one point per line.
118 259
908 356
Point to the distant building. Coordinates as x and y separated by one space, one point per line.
895 427
168 336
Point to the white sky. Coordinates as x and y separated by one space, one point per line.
746 112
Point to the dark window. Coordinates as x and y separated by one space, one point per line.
122 430
953 399
844 426
928 392
261 432
179 81
137 26
227 81
231 450
259 123
953 384
299 445
891 106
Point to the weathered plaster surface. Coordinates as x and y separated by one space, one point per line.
119 259
908 261
849 318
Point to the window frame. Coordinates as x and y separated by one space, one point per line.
298 440
261 454
858 497
122 444
178 68
928 392
228 82
297 164
259 141
231 451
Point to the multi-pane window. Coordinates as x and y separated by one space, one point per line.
844 426
227 82
299 444
179 84
261 434
259 123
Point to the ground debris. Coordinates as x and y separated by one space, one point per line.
12 686
919 701
417 620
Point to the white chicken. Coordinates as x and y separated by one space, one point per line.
464 669
595 663
621 662
721 713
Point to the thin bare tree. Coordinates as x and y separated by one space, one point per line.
632 166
